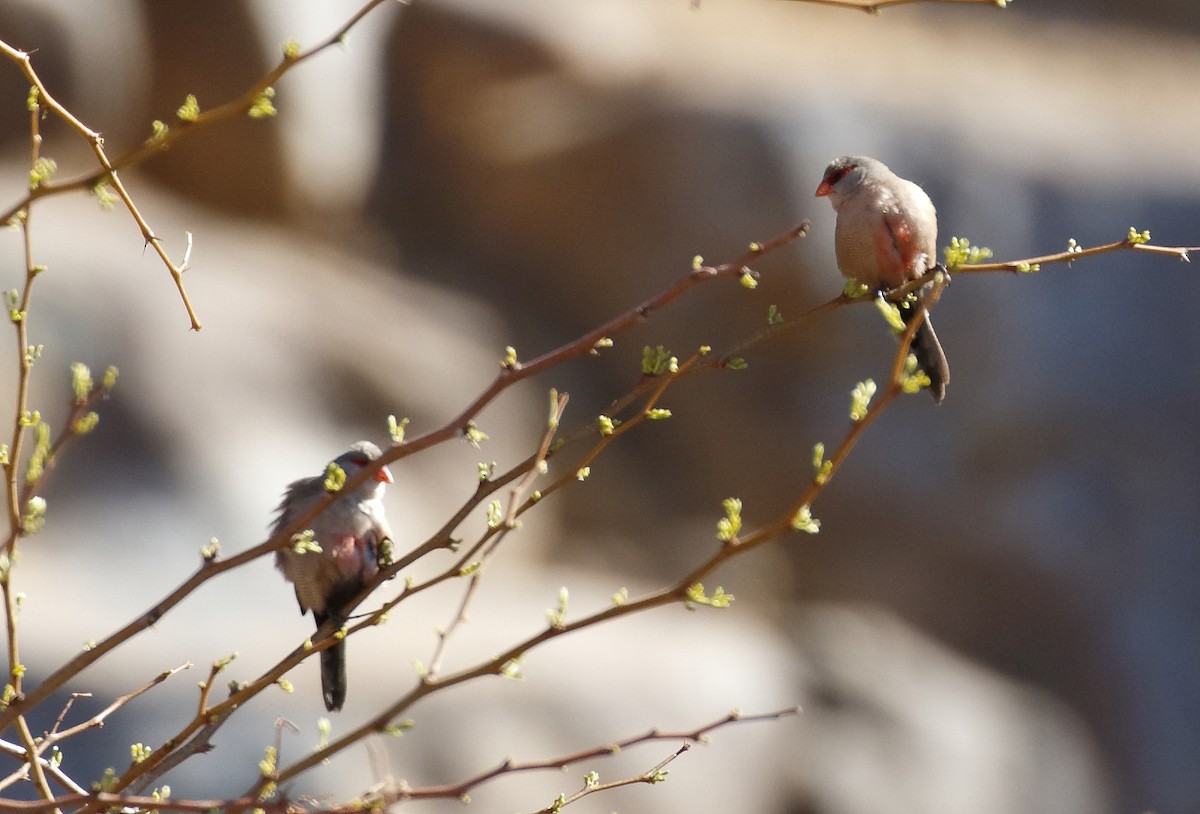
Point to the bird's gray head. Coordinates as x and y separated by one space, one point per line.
846 174
359 455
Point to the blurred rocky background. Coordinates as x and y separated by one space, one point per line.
1000 613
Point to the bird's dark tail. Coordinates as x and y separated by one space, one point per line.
930 356
333 671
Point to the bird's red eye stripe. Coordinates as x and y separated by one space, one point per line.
839 173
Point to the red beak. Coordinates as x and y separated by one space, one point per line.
824 189
384 476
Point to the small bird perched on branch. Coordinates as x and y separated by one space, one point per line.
887 235
350 533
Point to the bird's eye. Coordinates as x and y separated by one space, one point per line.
840 173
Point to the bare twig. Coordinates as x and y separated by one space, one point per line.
1071 255
457 790
875 6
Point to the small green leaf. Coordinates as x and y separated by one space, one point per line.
81 382
85 423
821 467
719 599
961 252
774 316
557 616
860 399
854 290
804 521
42 171
474 435
189 111
108 782
335 477
266 766
729 525
658 360
913 379
509 361
397 730
263 108
305 542
40 456
103 194
890 313
35 516
158 131
511 669
396 429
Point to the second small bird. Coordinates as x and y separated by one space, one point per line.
350 533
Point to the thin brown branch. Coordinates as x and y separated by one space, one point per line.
99 718
592 785
454 791
1076 253
875 6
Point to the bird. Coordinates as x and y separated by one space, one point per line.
350 533
886 235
